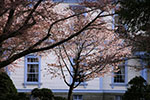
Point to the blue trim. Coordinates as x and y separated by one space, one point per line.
39 83
143 71
126 77
119 84
77 91
25 72
145 74
32 83
112 79
126 71
101 83
7 70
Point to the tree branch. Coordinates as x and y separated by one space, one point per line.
64 62
3 37
23 53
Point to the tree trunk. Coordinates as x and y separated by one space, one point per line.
70 92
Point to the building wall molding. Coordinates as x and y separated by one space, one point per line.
78 91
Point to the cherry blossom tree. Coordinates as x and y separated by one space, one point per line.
30 26
91 54
88 43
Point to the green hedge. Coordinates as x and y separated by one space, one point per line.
7 88
42 94
138 90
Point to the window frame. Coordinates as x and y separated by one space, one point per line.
125 83
26 71
119 76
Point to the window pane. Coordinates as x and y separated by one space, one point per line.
32 69
77 97
119 76
32 77
32 59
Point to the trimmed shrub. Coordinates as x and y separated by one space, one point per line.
138 90
42 94
7 88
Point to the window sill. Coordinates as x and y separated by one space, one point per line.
118 84
32 83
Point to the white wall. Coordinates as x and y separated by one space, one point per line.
17 75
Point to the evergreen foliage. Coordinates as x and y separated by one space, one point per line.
135 14
138 90
42 94
7 88
134 19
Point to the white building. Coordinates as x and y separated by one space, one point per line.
31 74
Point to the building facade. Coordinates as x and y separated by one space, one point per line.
32 73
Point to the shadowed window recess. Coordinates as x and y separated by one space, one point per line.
77 97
